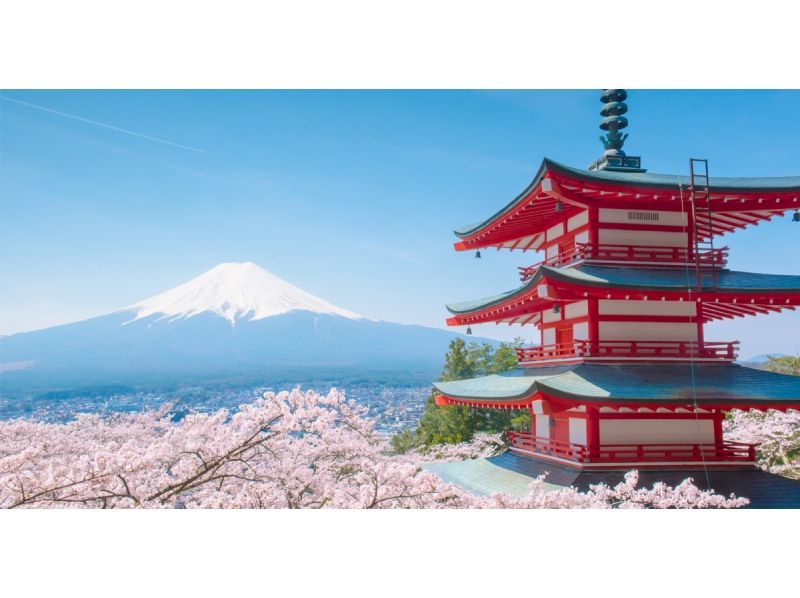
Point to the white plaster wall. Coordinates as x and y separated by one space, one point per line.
517 242
664 218
549 315
577 430
551 251
582 237
642 238
555 231
648 331
580 331
576 310
578 220
549 336
543 426
651 431
646 308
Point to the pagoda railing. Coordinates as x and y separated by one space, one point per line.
547 352
630 254
626 350
546 446
726 451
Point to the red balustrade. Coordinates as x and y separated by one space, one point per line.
547 352
726 451
646 256
643 453
546 446
722 350
625 350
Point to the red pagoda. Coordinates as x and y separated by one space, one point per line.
624 376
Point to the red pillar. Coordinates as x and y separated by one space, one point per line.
592 433
699 317
594 220
594 325
533 420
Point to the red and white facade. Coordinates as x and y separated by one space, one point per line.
628 276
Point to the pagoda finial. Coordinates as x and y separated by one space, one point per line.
614 107
613 122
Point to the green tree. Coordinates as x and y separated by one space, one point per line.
458 423
787 364
461 360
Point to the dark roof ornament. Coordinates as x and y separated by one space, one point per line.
614 107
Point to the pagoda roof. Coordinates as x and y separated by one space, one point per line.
513 474
632 383
673 181
642 279
470 229
535 205
726 280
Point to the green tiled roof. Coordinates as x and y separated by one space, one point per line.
510 473
648 179
465 231
482 477
468 306
642 179
635 382
489 387
727 280
656 279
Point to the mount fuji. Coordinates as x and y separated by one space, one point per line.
234 291
234 323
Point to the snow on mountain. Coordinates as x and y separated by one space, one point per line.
235 324
234 291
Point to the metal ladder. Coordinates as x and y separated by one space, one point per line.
700 198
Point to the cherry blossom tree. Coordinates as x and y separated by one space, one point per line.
778 436
287 450
481 445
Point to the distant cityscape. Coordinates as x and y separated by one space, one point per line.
393 407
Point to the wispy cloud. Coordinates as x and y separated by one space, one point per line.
104 125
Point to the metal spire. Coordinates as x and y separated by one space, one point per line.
614 107
613 122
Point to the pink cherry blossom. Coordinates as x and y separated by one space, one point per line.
287 450
778 436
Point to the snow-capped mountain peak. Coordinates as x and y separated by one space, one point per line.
234 291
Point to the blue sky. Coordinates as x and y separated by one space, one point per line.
111 197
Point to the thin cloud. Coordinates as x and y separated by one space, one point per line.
104 125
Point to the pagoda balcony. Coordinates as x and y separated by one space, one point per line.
622 351
631 255
611 455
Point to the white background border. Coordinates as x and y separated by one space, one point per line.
413 43
502 44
